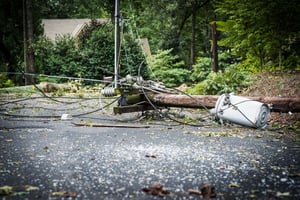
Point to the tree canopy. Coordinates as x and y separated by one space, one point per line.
262 29
257 35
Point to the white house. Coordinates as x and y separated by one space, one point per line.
60 27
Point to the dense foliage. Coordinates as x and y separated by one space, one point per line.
233 79
90 57
265 33
166 68
253 35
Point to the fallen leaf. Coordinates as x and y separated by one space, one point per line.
60 193
9 140
21 193
65 194
208 191
151 156
294 175
282 194
6 190
233 185
196 192
31 188
157 189
70 195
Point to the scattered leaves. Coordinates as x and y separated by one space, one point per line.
17 190
231 133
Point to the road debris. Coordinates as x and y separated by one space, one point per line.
208 191
110 125
157 189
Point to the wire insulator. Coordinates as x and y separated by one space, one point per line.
108 92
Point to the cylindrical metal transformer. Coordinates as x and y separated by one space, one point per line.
243 111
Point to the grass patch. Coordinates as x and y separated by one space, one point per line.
20 91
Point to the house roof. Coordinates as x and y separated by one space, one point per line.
59 27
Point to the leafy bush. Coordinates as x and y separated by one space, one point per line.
203 66
43 49
168 69
201 69
91 56
5 81
98 53
231 80
60 58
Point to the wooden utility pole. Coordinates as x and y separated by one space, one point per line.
117 41
138 102
192 56
28 41
197 101
215 47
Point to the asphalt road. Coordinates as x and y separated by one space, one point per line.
49 158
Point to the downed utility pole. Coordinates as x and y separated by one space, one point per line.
139 95
135 94
278 104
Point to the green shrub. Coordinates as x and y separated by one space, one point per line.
203 66
91 56
168 69
5 81
231 80
201 69
60 58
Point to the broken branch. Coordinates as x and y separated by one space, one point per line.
109 125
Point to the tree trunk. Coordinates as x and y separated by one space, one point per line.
279 58
209 101
215 48
192 56
8 60
28 41
261 59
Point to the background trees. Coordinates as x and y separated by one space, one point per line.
254 35
13 32
264 32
